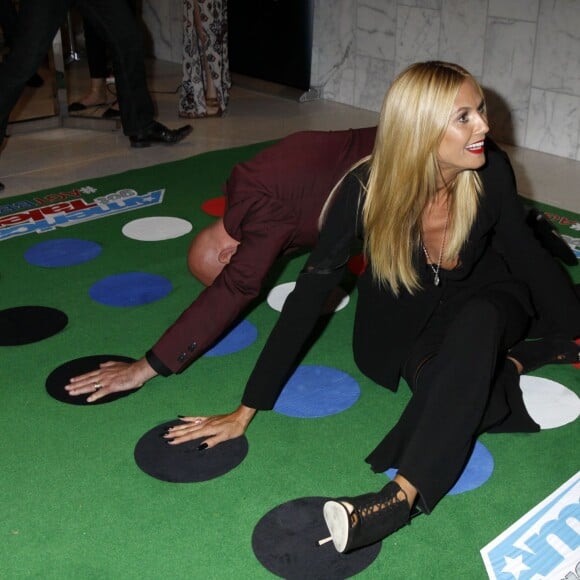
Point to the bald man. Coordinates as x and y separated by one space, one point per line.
273 203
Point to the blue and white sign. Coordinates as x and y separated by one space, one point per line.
543 544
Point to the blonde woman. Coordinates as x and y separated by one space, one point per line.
454 279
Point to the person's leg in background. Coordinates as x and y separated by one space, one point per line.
7 20
8 16
96 49
115 22
36 25
206 74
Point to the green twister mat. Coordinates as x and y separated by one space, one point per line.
74 504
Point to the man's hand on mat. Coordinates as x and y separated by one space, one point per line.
111 377
218 428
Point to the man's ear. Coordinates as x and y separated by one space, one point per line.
226 254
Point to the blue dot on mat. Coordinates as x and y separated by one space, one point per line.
130 289
63 252
317 391
240 337
477 471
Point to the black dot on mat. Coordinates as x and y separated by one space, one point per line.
184 463
60 377
27 324
285 542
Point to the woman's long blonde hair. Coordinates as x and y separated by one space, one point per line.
404 171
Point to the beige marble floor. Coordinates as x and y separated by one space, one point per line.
48 158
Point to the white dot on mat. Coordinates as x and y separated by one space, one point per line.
549 403
154 229
337 300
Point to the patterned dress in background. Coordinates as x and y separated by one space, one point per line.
205 35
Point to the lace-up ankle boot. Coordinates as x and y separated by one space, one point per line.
363 520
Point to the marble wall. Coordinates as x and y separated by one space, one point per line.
163 28
526 54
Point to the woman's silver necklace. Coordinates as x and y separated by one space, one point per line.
437 279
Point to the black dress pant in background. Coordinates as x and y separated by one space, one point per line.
7 20
37 23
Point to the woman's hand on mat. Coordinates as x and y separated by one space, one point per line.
111 377
217 428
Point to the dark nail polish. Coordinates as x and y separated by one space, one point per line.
202 447
180 416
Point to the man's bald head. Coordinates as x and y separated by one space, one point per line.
210 251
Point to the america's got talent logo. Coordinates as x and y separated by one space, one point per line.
71 209
543 544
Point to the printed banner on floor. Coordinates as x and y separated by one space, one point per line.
65 209
543 544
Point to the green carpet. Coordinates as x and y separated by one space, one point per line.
74 504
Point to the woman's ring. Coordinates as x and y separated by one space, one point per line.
97 386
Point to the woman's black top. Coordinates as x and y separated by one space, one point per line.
500 253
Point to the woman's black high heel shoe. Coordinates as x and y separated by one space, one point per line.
371 518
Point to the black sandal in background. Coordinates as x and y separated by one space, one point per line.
111 113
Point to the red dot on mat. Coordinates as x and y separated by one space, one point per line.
215 207
357 264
